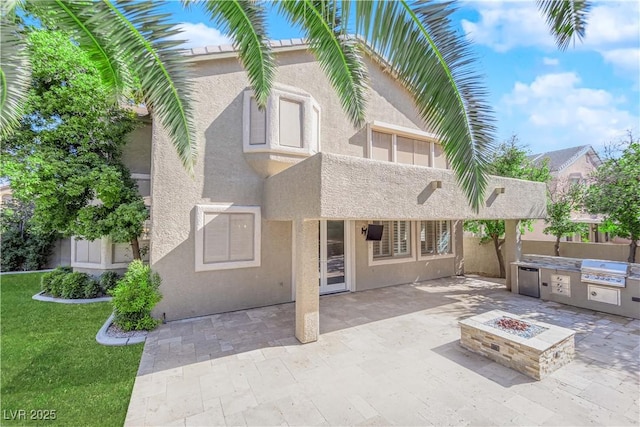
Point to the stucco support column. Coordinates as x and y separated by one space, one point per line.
458 234
512 248
306 277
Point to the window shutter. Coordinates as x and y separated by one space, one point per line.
290 123
439 159
429 244
381 146
241 237
444 237
382 248
402 239
422 153
404 150
216 238
258 129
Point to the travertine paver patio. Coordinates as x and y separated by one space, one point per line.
385 357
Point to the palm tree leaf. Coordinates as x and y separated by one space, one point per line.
140 32
435 64
88 24
566 19
14 74
127 42
245 20
337 53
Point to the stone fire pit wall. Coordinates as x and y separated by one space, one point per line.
535 357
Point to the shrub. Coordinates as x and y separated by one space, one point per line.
78 285
135 296
108 281
23 246
51 282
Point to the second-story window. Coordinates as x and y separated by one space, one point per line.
290 123
392 145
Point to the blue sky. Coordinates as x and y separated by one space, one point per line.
589 94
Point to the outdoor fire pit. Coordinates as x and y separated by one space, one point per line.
533 348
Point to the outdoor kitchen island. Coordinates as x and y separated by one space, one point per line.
604 286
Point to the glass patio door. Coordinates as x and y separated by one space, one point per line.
332 257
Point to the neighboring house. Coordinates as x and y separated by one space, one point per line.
569 166
278 200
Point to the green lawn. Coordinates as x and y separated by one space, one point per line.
52 362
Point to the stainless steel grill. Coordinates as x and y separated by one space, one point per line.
608 273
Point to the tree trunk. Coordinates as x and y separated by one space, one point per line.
135 248
632 251
498 246
556 246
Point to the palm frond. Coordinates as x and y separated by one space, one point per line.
245 20
90 25
567 19
139 31
14 74
337 53
435 64
127 42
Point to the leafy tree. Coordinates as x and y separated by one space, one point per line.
24 246
127 41
560 205
510 161
615 193
66 155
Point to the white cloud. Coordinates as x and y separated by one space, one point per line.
613 29
199 35
550 61
562 112
505 25
626 59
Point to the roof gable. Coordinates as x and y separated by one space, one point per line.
561 159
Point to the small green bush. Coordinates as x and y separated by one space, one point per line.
108 281
135 296
51 282
79 285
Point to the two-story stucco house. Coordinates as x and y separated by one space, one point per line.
279 199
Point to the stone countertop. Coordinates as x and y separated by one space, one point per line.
565 264
536 264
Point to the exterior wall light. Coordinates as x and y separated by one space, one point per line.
499 190
436 184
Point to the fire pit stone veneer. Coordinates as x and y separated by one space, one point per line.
537 356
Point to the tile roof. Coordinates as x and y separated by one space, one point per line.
227 48
560 159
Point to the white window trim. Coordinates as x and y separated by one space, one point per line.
272 122
106 256
436 256
398 259
201 210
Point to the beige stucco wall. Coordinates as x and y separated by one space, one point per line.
376 276
335 186
607 251
222 175
480 258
